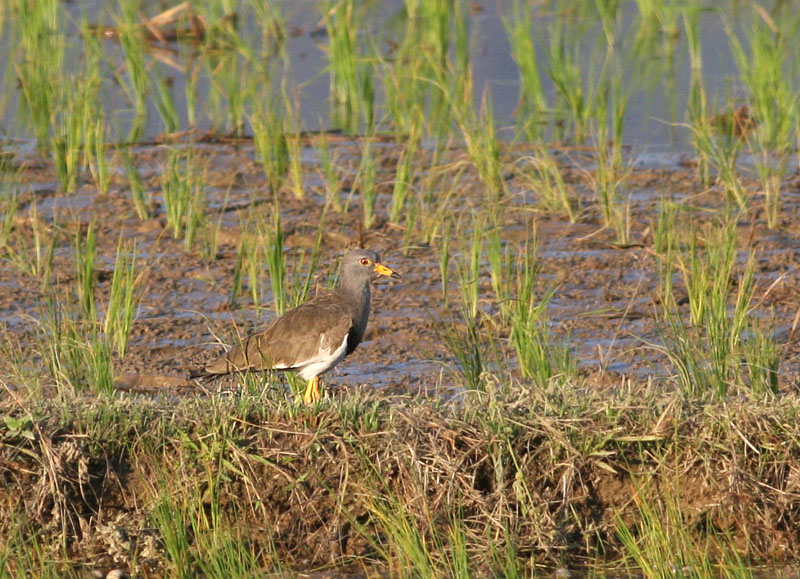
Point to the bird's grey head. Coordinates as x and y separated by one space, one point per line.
360 266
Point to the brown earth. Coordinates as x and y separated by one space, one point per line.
434 459
606 298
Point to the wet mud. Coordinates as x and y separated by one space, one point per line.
605 305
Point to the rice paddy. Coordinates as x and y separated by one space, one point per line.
590 366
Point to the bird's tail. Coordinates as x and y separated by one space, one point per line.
200 374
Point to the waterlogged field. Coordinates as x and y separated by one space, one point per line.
590 365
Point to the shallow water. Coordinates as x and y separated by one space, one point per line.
655 104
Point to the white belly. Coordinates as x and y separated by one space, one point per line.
323 361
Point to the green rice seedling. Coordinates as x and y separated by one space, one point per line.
423 48
464 341
76 354
484 148
191 74
96 155
609 11
195 221
444 262
123 298
164 102
238 78
236 285
761 357
664 233
477 127
85 252
77 107
697 104
726 330
770 79
771 168
233 87
545 178
238 63
135 82
686 354
66 143
434 200
403 177
711 355
295 154
94 138
665 243
39 70
564 70
365 181
253 265
722 153
401 72
499 256
306 262
352 87
538 357
182 191
210 246
272 22
9 206
176 190
707 275
766 71
276 264
532 101
269 138
468 268
609 103
328 172
698 128
98 360
140 202
410 233
35 261
403 80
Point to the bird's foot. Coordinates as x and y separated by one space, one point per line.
312 393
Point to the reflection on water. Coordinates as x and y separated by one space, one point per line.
652 59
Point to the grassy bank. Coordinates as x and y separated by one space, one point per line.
509 485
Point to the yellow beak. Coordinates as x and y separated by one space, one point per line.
381 269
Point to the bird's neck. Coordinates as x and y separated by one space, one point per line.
357 294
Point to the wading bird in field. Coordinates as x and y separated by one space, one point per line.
313 337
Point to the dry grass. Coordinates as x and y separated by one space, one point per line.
547 478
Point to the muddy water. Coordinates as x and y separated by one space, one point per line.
656 103
605 305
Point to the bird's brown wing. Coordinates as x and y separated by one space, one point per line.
302 334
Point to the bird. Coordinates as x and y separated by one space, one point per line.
313 337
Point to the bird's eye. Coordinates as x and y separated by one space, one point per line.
364 261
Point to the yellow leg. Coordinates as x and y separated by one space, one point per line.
312 393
